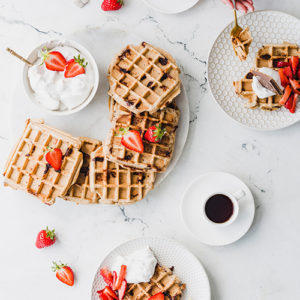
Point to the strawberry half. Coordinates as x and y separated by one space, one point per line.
295 85
286 95
122 290
159 296
282 64
45 238
131 139
54 60
288 72
289 103
295 100
107 276
283 78
154 133
117 284
63 273
111 5
75 67
294 64
54 158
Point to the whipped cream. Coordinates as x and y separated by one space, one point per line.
140 265
53 90
261 91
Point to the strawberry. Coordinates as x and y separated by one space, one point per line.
54 158
75 67
283 78
45 238
118 283
154 133
63 273
293 108
107 276
298 74
159 296
131 139
286 95
282 64
289 103
111 4
122 290
294 64
295 85
108 293
288 72
54 60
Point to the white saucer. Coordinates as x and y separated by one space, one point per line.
170 6
192 208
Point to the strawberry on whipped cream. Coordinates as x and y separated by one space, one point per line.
53 89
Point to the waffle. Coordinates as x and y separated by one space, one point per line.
267 56
80 192
144 78
115 184
156 156
241 44
163 281
28 170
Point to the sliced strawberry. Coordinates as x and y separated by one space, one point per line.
288 72
122 290
286 95
45 238
115 277
110 293
282 64
289 103
107 276
295 85
63 273
159 296
131 139
121 278
283 78
294 63
102 296
298 74
54 158
54 60
295 100
75 67
154 134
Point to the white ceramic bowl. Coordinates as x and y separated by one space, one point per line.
84 53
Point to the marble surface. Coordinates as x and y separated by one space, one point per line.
262 265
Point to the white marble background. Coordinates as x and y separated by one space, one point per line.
263 265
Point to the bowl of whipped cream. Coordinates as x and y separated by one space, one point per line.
64 91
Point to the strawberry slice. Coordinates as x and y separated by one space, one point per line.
298 74
282 64
295 85
286 95
154 133
283 78
294 64
115 277
103 296
159 296
107 276
54 158
295 100
121 278
75 67
288 72
131 139
289 103
54 60
63 273
109 293
122 290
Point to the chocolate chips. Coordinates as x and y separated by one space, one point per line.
124 71
249 75
124 53
85 171
265 56
128 157
163 61
143 77
165 76
149 84
68 152
101 159
47 168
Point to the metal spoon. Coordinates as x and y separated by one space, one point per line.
236 30
12 52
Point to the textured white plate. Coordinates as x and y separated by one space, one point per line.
267 27
169 253
93 121
170 6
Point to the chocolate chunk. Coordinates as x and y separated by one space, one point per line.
268 82
163 61
129 102
141 177
113 174
27 154
249 75
138 104
172 268
143 77
165 76
85 171
68 152
144 44
265 56
47 168
124 70
124 53
149 83
128 157
163 87
98 159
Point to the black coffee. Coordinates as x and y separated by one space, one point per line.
219 208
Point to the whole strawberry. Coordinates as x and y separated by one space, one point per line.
111 4
45 238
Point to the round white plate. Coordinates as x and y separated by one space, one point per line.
192 209
170 6
93 121
169 253
267 27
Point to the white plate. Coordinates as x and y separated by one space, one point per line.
169 253
267 27
170 6
192 209
93 121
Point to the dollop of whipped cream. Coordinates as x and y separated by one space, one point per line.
53 90
140 265
260 90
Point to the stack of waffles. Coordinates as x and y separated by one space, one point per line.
267 56
144 81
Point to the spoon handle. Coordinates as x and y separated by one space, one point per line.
12 52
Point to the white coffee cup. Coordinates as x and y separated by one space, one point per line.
234 198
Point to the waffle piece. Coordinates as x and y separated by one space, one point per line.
241 44
28 170
115 184
163 281
144 78
267 56
156 156
80 192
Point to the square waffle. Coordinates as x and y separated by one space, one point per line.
144 78
28 170
156 156
115 184
80 192
163 281
267 56
241 44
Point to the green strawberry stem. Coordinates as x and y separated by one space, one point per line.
56 266
80 61
50 233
